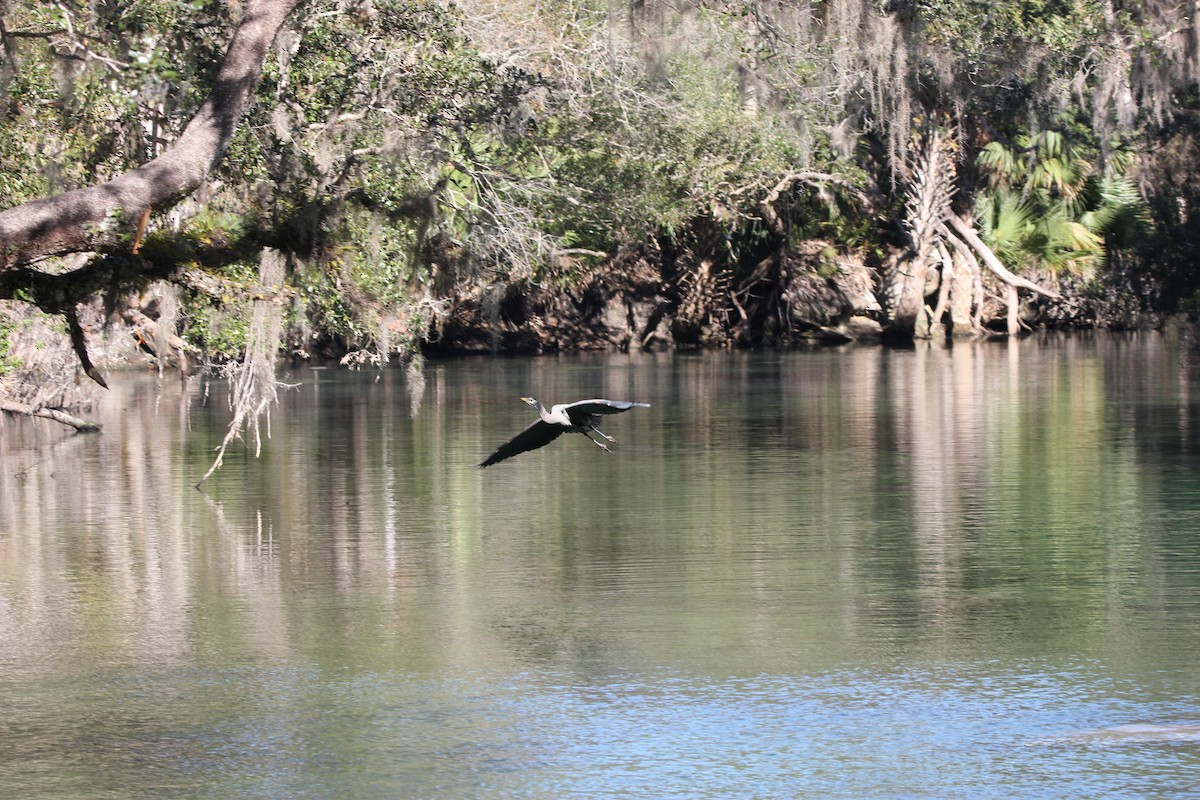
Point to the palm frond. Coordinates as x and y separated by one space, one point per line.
1064 243
1128 215
999 163
1005 221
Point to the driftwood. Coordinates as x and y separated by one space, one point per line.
56 414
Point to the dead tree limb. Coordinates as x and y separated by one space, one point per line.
79 345
56 414
968 255
992 262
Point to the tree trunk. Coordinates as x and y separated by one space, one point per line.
928 203
102 217
937 325
1014 310
908 295
962 296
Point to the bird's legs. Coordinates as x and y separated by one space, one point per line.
606 437
601 445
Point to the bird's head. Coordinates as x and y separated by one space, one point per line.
529 401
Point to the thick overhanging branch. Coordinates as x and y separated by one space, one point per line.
111 217
104 217
57 293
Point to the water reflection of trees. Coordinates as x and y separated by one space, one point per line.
771 504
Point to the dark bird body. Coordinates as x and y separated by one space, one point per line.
578 417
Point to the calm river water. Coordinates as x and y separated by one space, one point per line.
848 573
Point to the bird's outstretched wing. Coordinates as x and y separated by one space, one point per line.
539 434
601 406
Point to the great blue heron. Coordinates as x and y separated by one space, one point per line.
578 417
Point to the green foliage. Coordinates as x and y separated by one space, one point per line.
1037 230
1006 222
73 113
1112 206
697 149
384 261
329 308
218 331
9 361
1047 204
993 36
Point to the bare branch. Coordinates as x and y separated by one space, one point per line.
79 344
56 414
992 262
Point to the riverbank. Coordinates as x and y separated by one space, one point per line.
654 301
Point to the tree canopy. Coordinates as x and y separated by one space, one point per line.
488 174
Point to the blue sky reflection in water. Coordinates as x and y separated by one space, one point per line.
856 573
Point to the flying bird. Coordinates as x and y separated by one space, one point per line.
581 416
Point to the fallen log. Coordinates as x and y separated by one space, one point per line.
56 414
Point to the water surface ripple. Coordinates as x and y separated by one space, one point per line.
850 573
